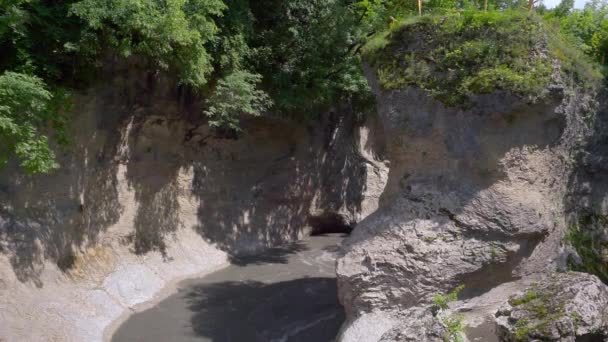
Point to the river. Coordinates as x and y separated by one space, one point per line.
286 294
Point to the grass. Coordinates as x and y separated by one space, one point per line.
455 56
382 39
529 296
576 320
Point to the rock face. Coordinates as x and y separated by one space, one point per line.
474 197
417 325
563 307
148 194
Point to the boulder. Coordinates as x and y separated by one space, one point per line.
570 306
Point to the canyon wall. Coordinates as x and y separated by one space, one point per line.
148 193
476 197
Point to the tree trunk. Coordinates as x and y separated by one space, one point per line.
419 7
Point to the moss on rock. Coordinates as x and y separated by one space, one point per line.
454 57
560 307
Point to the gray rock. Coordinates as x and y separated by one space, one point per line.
417 325
368 327
561 307
472 198
475 196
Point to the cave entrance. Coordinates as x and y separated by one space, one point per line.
328 223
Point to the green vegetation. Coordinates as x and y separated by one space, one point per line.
586 28
453 323
576 319
292 57
456 56
235 94
441 300
529 296
455 326
585 237
171 34
25 105
542 307
242 57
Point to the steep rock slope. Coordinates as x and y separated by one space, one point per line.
476 196
148 194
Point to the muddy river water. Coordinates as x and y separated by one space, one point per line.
286 294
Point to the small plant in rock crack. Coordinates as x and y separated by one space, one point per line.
455 328
441 301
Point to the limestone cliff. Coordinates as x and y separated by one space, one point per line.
476 196
148 193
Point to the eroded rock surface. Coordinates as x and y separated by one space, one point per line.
148 194
474 197
417 325
562 307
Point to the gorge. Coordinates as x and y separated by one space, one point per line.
469 203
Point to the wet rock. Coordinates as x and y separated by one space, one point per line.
569 306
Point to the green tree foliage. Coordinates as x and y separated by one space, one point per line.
235 94
35 41
305 51
588 27
24 110
293 57
171 33
38 37
563 8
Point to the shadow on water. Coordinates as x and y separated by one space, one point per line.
288 293
305 309
275 255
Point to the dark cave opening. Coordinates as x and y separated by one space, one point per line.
329 223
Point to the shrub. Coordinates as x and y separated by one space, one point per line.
455 56
441 300
455 328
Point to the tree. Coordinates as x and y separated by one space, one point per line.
234 95
563 8
24 111
173 34
531 4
